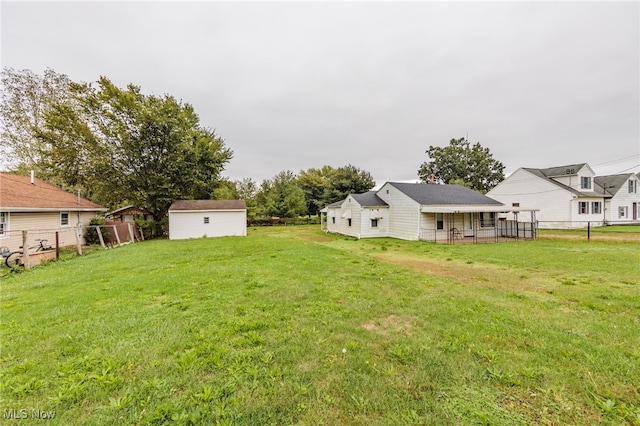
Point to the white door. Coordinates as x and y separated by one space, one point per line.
468 224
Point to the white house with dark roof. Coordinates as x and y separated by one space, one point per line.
572 196
421 211
207 218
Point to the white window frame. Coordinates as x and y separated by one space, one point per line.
583 207
62 224
633 186
374 223
4 229
585 182
440 221
623 212
597 204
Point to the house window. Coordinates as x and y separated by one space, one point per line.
349 222
206 219
633 188
596 207
374 223
623 211
487 220
583 207
64 218
333 219
585 182
515 204
4 223
440 221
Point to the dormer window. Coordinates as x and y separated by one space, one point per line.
585 182
633 188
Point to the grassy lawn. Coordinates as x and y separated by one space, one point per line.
629 233
293 326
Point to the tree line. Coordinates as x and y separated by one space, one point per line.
119 146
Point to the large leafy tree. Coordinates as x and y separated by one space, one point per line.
326 185
281 196
348 180
462 163
315 183
120 146
247 190
25 99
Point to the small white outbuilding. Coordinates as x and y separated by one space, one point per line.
207 218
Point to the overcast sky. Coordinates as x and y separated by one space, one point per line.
290 86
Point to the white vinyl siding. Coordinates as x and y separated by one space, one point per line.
362 220
405 213
44 225
375 222
554 202
191 224
623 198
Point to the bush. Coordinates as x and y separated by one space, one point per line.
91 236
149 228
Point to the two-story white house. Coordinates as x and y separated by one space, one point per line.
572 196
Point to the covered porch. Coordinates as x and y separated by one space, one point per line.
477 224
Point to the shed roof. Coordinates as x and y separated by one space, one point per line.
431 194
18 194
195 205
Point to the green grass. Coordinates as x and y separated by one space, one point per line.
613 229
292 326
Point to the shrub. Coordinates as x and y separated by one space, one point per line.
91 236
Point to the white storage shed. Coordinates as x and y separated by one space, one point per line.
207 218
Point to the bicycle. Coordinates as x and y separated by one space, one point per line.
13 259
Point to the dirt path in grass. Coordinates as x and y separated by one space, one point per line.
485 275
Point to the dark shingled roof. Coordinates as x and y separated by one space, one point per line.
612 183
208 205
369 199
573 169
554 171
431 194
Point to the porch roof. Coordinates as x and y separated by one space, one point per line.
475 209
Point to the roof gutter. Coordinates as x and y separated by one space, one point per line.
52 209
